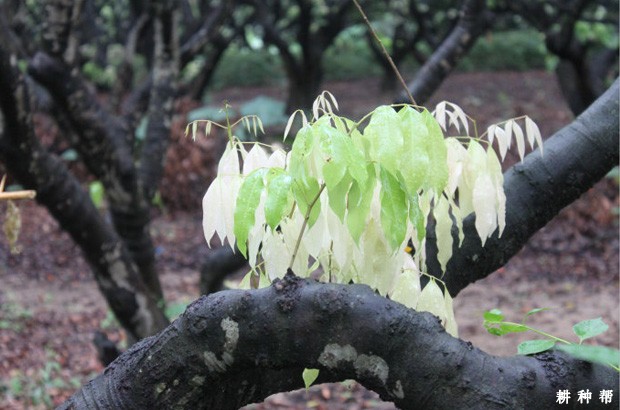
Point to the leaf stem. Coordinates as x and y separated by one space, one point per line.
385 52
540 332
303 225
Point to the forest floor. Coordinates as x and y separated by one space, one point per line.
50 305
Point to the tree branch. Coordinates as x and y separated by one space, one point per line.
237 347
472 23
575 158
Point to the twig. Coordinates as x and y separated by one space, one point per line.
385 52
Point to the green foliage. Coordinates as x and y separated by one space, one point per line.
243 67
350 196
516 50
496 325
309 376
37 391
96 192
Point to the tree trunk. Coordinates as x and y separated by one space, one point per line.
238 347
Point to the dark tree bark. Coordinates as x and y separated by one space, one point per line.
313 35
473 21
59 191
238 347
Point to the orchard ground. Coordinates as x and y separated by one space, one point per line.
50 305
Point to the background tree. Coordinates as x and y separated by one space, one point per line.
119 249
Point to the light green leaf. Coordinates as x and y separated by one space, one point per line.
414 158
535 346
437 154
309 376
305 195
358 206
245 208
484 202
300 154
493 316
337 195
386 139
278 195
394 210
589 328
534 311
96 191
594 354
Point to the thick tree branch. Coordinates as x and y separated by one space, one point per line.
574 159
237 347
104 147
60 192
472 23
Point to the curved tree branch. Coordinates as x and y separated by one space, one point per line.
472 23
575 158
61 193
237 347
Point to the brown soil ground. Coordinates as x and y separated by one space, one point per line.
50 306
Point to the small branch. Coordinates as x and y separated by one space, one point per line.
303 225
385 52
29 194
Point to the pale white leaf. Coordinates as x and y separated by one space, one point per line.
484 198
491 133
518 133
194 129
508 131
407 289
211 203
450 324
443 231
461 116
277 159
256 158
456 156
432 300
533 133
454 120
275 254
440 114
502 142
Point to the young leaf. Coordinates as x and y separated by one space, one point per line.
309 376
484 202
437 154
245 208
493 316
443 231
535 346
594 354
533 134
306 195
450 325
407 289
590 328
393 209
385 137
533 312
520 139
432 300
278 190
414 158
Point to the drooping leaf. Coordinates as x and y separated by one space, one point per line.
245 208
450 325
407 289
484 202
306 196
437 153
278 196
432 300
594 354
443 231
394 211
590 328
358 206
535 346
386 138
414 159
